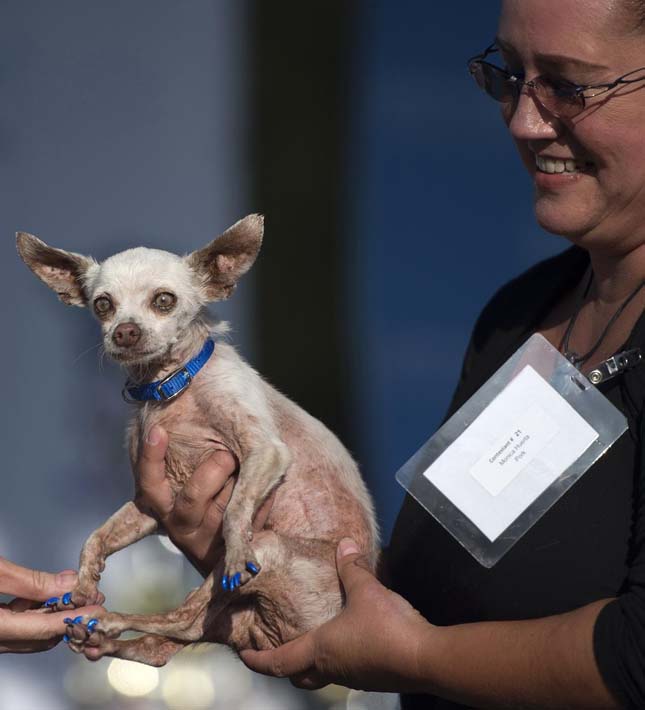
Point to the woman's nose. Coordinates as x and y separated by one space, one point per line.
527 119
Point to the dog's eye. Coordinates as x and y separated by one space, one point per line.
102 305
164 301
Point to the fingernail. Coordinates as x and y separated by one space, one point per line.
154 436
347 547
66 578
91 624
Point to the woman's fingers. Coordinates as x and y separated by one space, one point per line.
295 658
217 506
33 626
33 584
352 567
203 488
263 512
20 605
154 488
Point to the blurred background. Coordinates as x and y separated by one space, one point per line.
395 207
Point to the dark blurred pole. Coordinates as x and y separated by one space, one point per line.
300 68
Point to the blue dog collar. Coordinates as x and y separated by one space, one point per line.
175 383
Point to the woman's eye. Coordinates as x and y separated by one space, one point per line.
164 301
562 87
514 70
102 305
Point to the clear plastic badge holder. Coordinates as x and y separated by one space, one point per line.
509 453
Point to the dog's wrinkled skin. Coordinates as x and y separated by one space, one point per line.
319 494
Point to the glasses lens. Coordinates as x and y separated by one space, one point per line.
560 98
493 80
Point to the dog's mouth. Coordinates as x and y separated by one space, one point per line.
132 356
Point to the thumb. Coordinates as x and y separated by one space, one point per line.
351 563
154 444
34 584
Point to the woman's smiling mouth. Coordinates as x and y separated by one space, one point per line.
551 166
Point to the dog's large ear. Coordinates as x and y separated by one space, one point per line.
62 271
220 264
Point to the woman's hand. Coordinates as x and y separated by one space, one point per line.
372 644
24 626
193 517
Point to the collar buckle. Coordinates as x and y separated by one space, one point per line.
181 386
173 384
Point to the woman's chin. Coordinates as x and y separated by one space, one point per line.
562 220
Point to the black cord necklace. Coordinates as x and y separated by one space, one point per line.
573 357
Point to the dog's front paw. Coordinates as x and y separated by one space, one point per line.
73 600
84 631
87 596
240 567
59 603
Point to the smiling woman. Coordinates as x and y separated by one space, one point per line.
593 205
558 621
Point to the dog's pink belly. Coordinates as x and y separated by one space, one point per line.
318 507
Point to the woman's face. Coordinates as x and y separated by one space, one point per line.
601 205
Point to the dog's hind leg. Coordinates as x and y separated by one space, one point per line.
126 526
150 649
181 624
263 614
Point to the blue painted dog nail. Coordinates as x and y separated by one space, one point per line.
225 583
91 624
77 620
237 579
67 598
52 601
252 568
67 620
66 638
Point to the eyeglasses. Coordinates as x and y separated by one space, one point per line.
561 98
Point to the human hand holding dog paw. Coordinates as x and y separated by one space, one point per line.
24 628
192 518
373 644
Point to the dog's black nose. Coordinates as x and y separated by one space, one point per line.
126 335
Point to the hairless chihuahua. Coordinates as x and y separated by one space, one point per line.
270 586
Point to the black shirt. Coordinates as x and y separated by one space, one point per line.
588 546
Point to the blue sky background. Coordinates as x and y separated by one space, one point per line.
439 216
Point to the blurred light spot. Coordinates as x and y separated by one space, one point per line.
132 679
86 683
332 694
188 688
169 545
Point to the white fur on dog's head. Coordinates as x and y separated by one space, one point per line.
132 282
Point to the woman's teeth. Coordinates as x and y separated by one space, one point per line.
554 165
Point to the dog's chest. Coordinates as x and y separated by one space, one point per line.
191 435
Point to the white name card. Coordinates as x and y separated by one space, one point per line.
511 453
